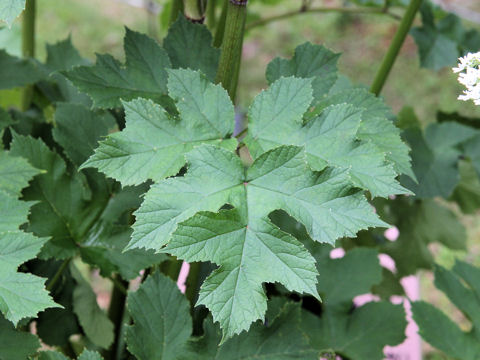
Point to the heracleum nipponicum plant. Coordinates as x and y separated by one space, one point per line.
133 167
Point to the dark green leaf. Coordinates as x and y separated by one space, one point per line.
94 321
161 316
143 75
78 130
16 345
153 144
16 72
309 61
189 46
63 211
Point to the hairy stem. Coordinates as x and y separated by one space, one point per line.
115 314
303 10
57 275
395 46
28 45
229 66
220 31
177 8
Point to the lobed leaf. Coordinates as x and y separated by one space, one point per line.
143 74
21 295
330 138
153 144
189 46
243 241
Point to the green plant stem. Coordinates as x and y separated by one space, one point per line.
174 268
395 46
177 8
211 19
303 10
220 31
191 291
115 314
193 11
230 59
57 275
28 45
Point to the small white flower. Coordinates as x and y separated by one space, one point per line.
469 75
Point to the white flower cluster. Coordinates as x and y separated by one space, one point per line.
469 75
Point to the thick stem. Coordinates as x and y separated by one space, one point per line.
177 8
301 11
220 31
395 47
28 45
115 314
193 11
229 66
211 19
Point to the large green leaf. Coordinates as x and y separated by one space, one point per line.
62 56
153 144
281 339
10 10
189 46
363 332
330 139
309 61
21 294
249 248
162 324
462 286
63 211
376 126
16 345
94 321
78 130
435 155
143 75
